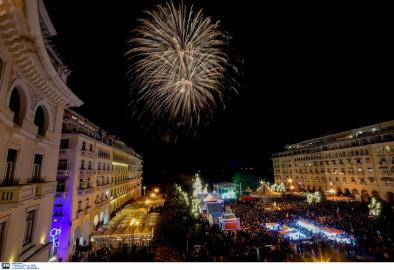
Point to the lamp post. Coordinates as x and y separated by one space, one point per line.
144 187
134 223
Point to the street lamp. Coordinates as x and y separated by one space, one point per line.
156 190
144 187
134 223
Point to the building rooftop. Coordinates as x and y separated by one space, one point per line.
356 137
75 123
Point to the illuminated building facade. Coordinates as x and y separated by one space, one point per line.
33 95
97 175
358 162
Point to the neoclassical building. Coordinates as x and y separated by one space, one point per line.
97 175
359 162
33 96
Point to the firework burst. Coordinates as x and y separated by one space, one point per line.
179 65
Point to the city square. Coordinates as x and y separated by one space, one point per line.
194 132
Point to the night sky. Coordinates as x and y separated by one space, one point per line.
307 71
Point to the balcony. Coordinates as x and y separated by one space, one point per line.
62 172
85 191
84 171
60 195
87 153
64 151
45 188
11 196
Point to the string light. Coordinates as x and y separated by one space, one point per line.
375 207
315 197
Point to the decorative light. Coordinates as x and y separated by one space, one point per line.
278 187
119 164
197 186
132 222
156 190
181 196
375 207
54 237
205 191
332 191
315 197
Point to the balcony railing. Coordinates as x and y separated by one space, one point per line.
11 196
62 172
60 195
87 153
64 151
84 171
45 188
85 191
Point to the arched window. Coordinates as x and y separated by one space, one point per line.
41 121
18 106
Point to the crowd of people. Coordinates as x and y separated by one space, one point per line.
190 238
372 235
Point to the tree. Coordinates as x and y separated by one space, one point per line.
197 186
246 179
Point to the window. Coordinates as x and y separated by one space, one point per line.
58 210
370 170
64 143
91 148
3 226
41 121
62 165
16 105
61 185
353 180
99 166
333 162
90 165
10 166
82 164
344 179
367 160
83 146
37 167
29 228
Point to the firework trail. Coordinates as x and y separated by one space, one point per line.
179 64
